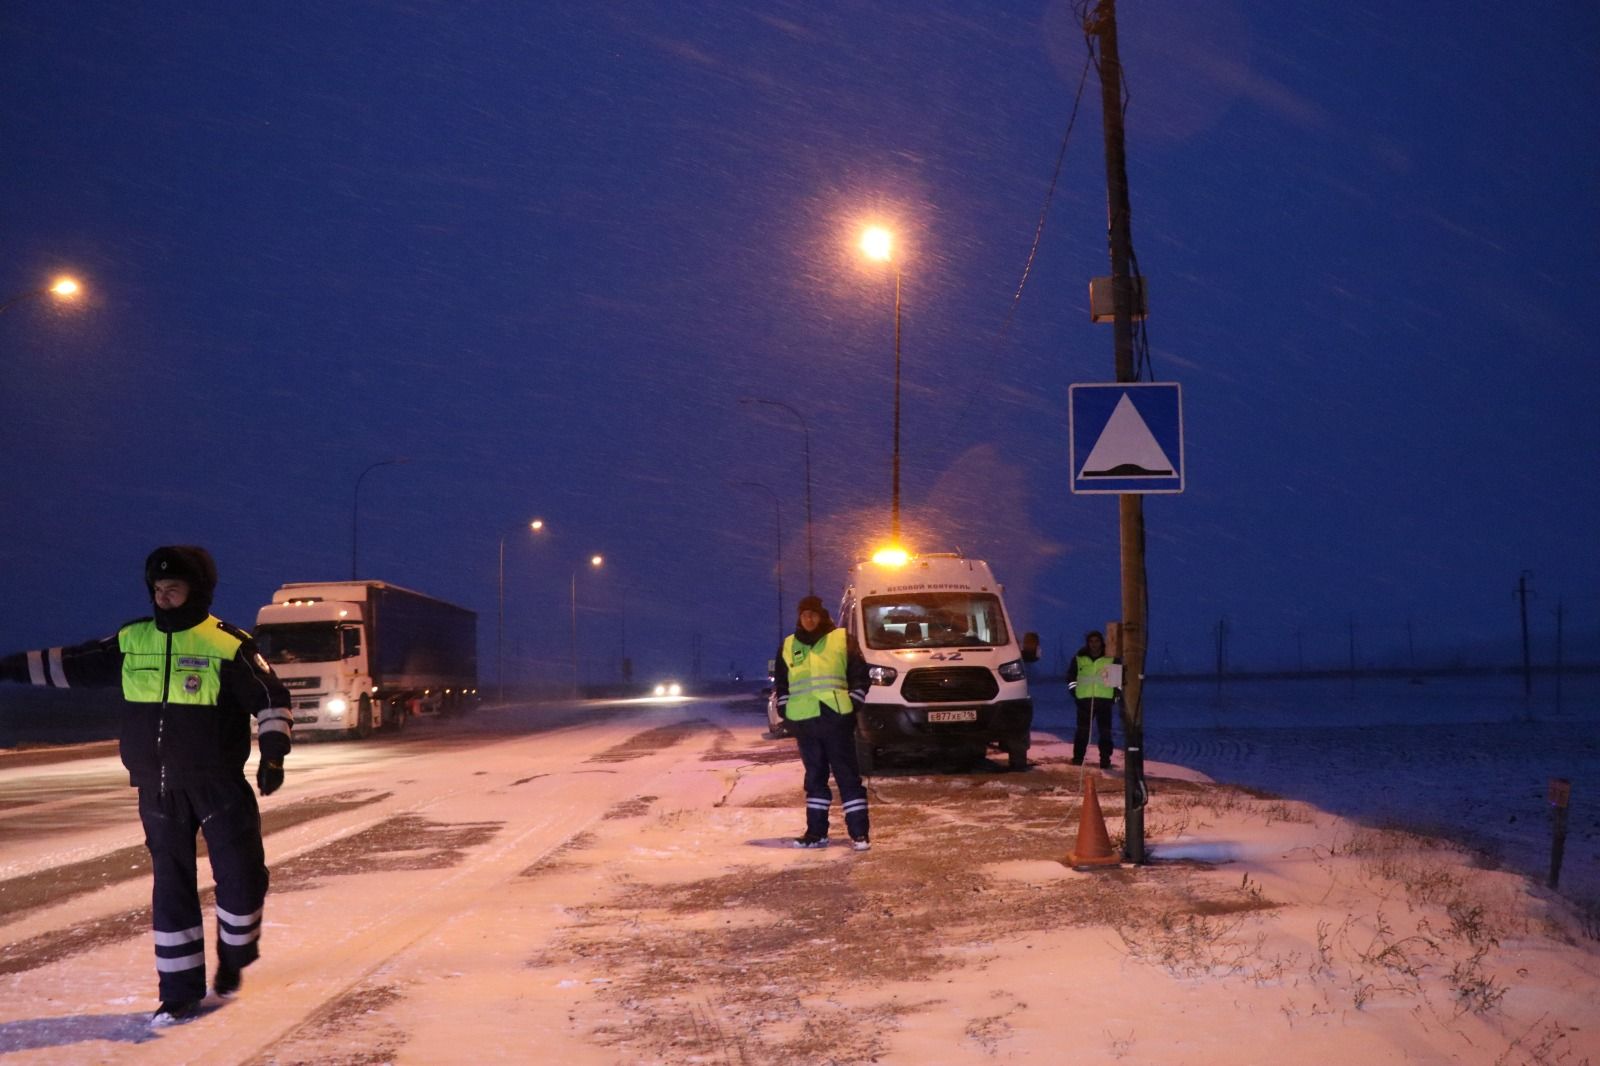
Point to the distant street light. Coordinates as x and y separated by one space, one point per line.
877 243
595 562
63 289
777 517
535 526
811 559
355 509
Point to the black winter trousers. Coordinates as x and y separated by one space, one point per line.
225 811
828 743
1100 710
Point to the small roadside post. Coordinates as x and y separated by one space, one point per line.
1559 796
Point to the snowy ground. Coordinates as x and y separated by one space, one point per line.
611 887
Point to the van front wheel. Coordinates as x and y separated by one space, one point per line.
1017 751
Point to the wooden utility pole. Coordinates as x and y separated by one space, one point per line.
1103 24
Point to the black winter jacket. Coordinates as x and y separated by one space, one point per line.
175 744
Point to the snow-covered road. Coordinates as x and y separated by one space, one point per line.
383 853
610 884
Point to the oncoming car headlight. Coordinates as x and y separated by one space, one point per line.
667 689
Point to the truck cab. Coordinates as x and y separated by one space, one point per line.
319 651
945 661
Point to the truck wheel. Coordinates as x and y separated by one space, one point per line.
364 717
1017 751
398 717
864 755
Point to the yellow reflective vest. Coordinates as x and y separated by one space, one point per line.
1091 679
175 668
817 675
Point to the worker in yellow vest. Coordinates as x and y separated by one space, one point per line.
1094 680
821 681
190 685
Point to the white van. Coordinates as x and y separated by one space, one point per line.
945 661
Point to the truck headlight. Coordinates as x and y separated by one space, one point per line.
883 675
1012 671
336 706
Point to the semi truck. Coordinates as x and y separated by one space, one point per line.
358 656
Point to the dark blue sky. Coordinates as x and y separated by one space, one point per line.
541 250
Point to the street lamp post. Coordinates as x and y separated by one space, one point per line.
878 243
63 288
777 518
811 559
355 509
595 562
536 526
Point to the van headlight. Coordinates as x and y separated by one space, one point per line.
883 675
337 706
1012 671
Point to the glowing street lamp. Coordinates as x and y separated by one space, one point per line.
595 563
877 244
535 526
63 288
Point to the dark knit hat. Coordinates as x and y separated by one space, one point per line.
812 603
185 562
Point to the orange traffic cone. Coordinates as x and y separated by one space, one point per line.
1093 847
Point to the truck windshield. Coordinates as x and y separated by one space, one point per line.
934 620
299 642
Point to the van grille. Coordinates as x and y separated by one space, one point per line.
951 684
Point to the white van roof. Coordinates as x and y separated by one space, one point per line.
930 572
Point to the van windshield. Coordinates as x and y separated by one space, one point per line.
299 642
934 620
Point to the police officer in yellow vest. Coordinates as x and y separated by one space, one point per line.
1089 682
821 679
190 683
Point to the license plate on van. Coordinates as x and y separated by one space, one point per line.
953 716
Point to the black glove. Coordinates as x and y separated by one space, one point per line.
269 776
14 668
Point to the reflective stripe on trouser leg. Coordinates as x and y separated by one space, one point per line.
169 833
180 951
841 749
233 839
